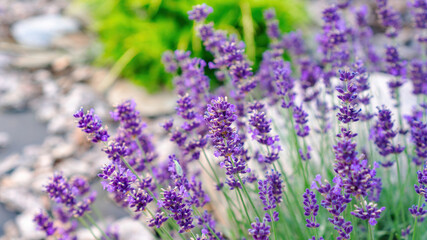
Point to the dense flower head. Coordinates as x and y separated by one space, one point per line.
394 65
260 132
44 223
66 194
185 107
330 14
383 134
284 82
157 220
300 117
91 124
421 188
358 182
273 31
311 208
173 200
418 211
389 18
418 76
139 199
372 212
344 228
348 111
128 117
345 152
311 73
199 12
60 190
219 116
418 133
294 43
260 230
334 200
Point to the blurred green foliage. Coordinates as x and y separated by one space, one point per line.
145 29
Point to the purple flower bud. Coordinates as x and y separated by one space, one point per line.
199 12
44 223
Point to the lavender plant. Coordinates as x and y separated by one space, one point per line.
245 153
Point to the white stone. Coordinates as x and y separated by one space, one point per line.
39 31
27 227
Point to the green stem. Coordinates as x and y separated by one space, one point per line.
414 235
244 205
96 225
400 187
83 222
247 195
272 224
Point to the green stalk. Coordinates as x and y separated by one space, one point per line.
272 225
400 187
83 222
161 227
96 225
414 235
244 205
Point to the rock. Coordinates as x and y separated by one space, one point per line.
36 60
4 139
39 31
72 167
61 63
80 95
59 124
82 73
132 230
46 111
148 104
11 231
27 227
63 151
21 177
9 163
72 41
19 199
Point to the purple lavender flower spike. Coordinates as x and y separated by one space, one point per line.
139 199
314 238
418 132
389 18
371 212
92 125
311 208
418 211
173 200
300 117
157 220
260 230
199 12
382 133
273 31
44 223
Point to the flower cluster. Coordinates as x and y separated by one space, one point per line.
219 116
382 133
92 125
270 193
311 208
371 212
260 132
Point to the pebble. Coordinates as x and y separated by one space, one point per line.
4 139
150 105
39 31
27 227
